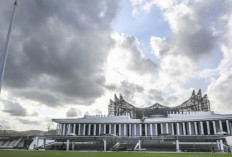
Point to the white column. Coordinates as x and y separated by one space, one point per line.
195 128
67 147
140 129
61 129
214 128
104 132
156 130
44 142
114 129
190 128
139 145
145 129
178 128
99 129
129 129
37 141
73 145
161 128
172 129
167 128
184 129
84 127
134 129
151 130
120 129
228 127
177 146
89 129
218 144
74 128
220 125
64 128
208 129
69 128
202 130
58 128
104 145
221 146
95 129
125 130
110 132
79 129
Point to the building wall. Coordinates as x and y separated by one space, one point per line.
205 127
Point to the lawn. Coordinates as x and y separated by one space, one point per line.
7 153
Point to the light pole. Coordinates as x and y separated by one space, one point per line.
4 54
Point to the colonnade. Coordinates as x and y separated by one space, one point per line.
209 127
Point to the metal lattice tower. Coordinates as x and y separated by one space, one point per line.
195 103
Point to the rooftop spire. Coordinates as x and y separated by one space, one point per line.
199 93
115 98
16 2
193 93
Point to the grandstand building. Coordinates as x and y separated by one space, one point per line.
185 127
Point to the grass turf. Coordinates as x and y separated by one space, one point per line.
7 153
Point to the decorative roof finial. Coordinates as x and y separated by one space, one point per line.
16 2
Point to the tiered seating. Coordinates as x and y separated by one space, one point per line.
6 143
11 143
17 142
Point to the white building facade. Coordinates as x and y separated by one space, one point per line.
185 123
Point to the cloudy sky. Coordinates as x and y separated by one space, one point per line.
68 58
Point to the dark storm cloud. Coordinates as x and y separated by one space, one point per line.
57 49
14 108
196 44
111 87
128 90
156 96
31 122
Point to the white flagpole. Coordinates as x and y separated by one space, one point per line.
4 54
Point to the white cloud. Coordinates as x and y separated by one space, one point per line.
126 61
146 6
158 44
14 108
129 70
197 28
73 112
220 88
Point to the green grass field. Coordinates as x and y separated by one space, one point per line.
6 153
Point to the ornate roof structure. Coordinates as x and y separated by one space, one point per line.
120 107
